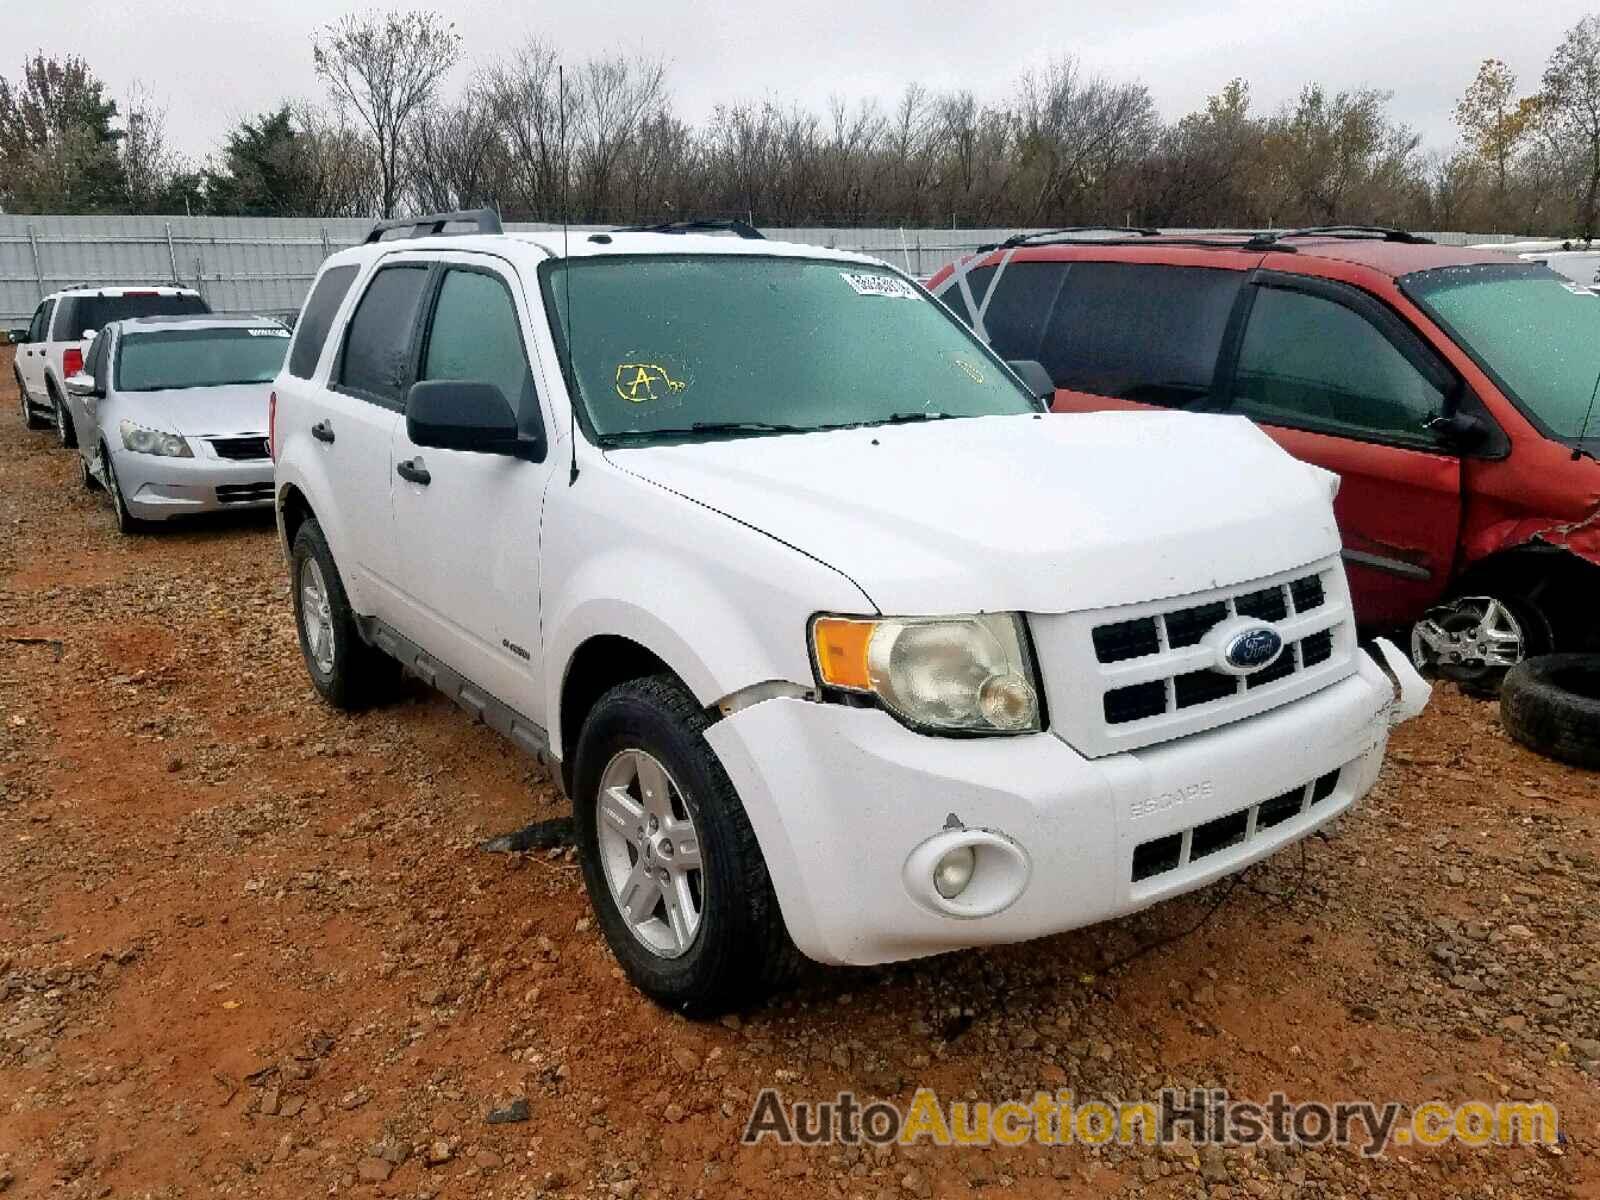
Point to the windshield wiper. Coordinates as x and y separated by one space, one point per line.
904 418
710 427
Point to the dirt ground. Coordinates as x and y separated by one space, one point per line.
248 946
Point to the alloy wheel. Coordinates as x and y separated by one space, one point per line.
316 615
650 853
1469 638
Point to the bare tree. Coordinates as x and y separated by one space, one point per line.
523 94
457 155
387 68
340 164
613 98
1570 108
147 163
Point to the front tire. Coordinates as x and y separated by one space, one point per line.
346 672
671 863
1475 640
127 524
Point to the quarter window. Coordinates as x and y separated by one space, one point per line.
377 350
311 331
1311 363
476 336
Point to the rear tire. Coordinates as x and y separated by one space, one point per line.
345 670
1552 706
739 948
66 429
30 419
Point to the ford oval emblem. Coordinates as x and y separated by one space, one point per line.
1251 649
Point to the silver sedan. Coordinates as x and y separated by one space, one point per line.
171 415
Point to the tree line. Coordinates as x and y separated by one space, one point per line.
599 140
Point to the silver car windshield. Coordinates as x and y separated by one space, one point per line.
686 346
196 358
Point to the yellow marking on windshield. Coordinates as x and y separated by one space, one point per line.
972 371
638 382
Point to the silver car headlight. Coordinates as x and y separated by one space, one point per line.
966 674
153 441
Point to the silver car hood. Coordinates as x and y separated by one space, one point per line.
199 412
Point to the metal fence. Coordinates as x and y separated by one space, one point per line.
266 264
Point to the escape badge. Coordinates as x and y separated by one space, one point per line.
638 382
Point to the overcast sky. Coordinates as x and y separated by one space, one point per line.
211 62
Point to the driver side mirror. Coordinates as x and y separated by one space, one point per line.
1035 377
452 414
1459 431
83 385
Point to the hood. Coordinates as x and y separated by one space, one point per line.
200 412
1053 513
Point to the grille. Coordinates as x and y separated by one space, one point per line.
1171 851
1122 640
1132 675
244 493
241 448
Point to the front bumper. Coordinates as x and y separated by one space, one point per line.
850 808
155 487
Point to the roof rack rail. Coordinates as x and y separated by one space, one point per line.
483 220
701 225
1270 239
1065 234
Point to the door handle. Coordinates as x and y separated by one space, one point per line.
412 471
322 431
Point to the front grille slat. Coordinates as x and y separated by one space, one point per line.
243 493
1135 703
1160 855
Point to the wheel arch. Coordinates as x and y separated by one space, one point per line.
595 666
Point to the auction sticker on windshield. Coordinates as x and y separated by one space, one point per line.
274 332
867 284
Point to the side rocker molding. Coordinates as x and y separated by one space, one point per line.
500 717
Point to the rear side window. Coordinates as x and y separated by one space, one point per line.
311 332
78 314
477 337
1310 363
1139 332
41 321
377 348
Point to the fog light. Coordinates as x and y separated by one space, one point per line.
954 872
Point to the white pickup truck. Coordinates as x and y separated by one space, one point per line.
835 640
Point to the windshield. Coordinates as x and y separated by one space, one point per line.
191 358
1535 332
724 345
79 314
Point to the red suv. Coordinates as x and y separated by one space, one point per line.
1452 390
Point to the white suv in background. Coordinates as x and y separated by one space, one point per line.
52 348
836 641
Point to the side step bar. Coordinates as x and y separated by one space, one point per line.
502 718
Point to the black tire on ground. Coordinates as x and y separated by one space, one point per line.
1551 705
127 524
742 949
66 429
30 418
355 675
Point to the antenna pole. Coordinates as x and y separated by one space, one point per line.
566 272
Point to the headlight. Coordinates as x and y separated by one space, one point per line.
939 674
152 441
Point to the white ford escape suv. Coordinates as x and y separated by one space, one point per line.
837 642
